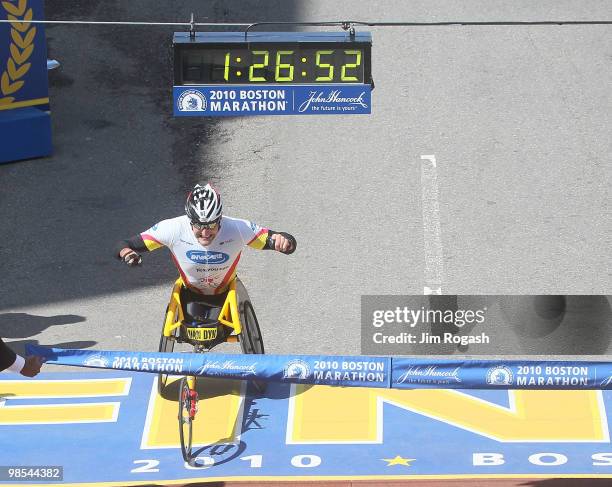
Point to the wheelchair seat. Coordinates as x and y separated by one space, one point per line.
201 313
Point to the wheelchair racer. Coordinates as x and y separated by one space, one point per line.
205 246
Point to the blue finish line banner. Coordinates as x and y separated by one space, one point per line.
488 374
348 371
300 369
237 100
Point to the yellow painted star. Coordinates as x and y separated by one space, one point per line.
398 461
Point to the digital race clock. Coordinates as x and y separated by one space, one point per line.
228 73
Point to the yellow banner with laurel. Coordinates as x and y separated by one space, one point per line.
23 55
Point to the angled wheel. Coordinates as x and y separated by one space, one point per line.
188 406
166 344
251 340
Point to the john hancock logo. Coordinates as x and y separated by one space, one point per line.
191 101
331 100
429 375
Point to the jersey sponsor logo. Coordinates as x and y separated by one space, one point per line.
254 227
207 257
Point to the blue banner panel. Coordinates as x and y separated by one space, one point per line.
299 369
237 100
23 55
349 371
113 426
482 374
26 133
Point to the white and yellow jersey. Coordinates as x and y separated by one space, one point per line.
207 270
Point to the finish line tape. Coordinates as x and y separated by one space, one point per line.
347 371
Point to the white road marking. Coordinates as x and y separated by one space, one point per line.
434 263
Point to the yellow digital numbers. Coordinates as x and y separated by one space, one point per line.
263 65
227 64
329 67
285 66
279 66
346 66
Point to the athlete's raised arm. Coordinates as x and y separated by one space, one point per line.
282 242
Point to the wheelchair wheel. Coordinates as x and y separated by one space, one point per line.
166 344
187 408
251 340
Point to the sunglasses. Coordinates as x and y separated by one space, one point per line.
205 226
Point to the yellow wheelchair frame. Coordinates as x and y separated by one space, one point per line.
236 313
228 315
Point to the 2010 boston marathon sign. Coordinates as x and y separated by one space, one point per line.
272 73
270 100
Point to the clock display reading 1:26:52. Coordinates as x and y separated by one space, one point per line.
271 64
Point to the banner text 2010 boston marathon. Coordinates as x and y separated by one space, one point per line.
273 100
248 100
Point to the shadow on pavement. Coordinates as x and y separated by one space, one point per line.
24 325
121 161
220 453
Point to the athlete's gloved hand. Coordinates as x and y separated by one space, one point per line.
132 258
280 243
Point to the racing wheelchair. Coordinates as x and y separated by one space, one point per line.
234 320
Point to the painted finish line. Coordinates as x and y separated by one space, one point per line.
234 100
86 422
348 371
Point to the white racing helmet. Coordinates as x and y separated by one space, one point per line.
204 204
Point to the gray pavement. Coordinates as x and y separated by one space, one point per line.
518 119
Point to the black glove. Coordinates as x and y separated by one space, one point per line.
132 258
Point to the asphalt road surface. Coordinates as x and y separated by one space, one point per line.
484 168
